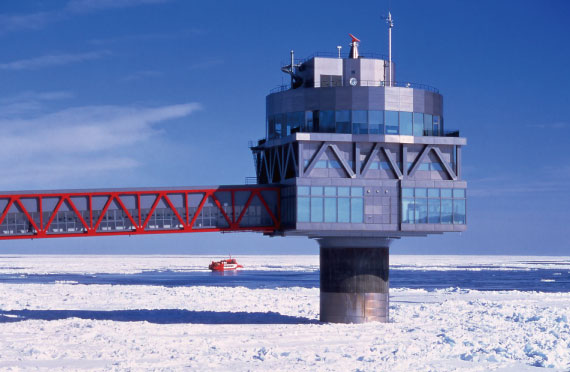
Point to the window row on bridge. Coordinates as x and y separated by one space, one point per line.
117 220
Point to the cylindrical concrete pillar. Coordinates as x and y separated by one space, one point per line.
354 280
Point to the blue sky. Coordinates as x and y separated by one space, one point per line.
132 93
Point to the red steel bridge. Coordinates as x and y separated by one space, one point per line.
76 213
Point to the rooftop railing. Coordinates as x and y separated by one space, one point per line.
344 55
361 83
365 55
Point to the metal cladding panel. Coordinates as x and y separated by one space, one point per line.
327 66
312 100
360 98
351 69
419 104
343 98
392 99
376 99
294 101
355 98
406 100
372 69
327 98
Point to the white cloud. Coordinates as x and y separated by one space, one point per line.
38 20
546 180
27 103
51 60
555 125
141 75
32 21
36 175
80 6
87 141
205 64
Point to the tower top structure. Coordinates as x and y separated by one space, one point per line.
361 160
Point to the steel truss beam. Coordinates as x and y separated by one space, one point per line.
243 209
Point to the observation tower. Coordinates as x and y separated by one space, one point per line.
352 157
362 159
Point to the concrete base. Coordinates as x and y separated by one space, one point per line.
354 280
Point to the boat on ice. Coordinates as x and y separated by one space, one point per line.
225 265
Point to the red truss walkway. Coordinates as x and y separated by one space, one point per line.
138 211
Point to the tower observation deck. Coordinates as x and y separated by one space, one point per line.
352 157
362 159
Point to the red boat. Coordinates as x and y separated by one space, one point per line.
225 265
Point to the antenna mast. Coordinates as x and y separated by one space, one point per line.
390 22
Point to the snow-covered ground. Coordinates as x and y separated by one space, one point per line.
138 327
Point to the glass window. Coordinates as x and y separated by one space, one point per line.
376 122
316 209
343 209
446 210
385 165
321 164
303 190
436 125
421 210
334 164
407 193
303 211
359 122
424 167
421 193
392 122
271 127
436 167
326 122
359 116
281 121
343 191
446 193
434 210
406 123
316 190
356 210
433 193
373 165
330 191
294 121
458 193
427 125
356 191
408 210
418 124
459 211
308 121
330 209
343 121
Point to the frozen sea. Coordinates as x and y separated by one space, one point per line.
169 313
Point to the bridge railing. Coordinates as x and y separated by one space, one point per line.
133 212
